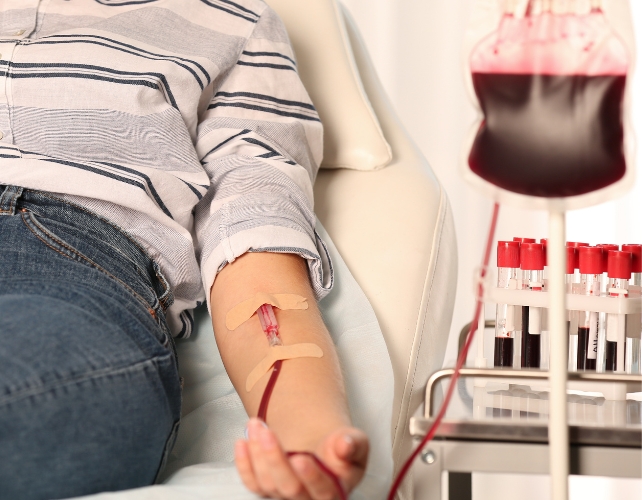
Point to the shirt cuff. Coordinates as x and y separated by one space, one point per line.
274 239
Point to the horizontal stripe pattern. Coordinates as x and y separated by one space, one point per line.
182 121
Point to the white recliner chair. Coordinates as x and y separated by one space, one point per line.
384 208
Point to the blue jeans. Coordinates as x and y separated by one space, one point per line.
89 389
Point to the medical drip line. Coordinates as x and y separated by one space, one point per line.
270 327
461 360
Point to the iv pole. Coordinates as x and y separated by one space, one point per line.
558 447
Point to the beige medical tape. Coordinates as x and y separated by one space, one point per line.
281 352
240 313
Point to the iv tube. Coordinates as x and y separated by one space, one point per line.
531 256
507 268
270 327
590 281
619 272
633 352
461 360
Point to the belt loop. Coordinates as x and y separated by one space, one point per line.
8 199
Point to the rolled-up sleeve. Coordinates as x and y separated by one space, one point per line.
260 141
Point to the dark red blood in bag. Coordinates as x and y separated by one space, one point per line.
549 135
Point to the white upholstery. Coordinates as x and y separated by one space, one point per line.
393 227
353 138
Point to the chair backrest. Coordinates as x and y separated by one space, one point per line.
393 226
353 137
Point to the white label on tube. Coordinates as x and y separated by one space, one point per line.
633 322
510 319
517 317
535 320
612 321
592 343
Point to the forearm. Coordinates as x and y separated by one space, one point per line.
309 400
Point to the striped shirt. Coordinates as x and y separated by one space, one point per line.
182 121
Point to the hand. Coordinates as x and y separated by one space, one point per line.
266 470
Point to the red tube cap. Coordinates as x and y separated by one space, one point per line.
571 260
591 260
607 247
620 264
636 253
525 240
575 244
508 254
531 256
544 243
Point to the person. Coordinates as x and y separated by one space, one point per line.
154 155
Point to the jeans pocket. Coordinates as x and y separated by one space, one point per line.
59 245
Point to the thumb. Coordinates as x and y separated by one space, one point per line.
351 445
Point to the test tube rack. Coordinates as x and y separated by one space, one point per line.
574 302
630 306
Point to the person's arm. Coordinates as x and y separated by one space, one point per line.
260 140
308 410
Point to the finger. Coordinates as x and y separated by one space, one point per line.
316 482
287 483
260 466
244 466
352 447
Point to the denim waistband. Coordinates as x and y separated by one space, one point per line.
120 251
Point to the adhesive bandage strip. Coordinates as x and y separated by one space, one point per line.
277 353
240 313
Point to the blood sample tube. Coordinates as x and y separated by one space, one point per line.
546 341
636 267
590 284
572 319
519 310
601 333
531 257
619 273
507 268
633 352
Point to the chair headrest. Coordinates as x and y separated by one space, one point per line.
352 135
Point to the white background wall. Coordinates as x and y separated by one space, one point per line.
416 48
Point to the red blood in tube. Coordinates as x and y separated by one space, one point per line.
583 361
504 352
636 253
549 135
611 356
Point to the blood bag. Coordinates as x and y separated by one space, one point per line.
551 80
